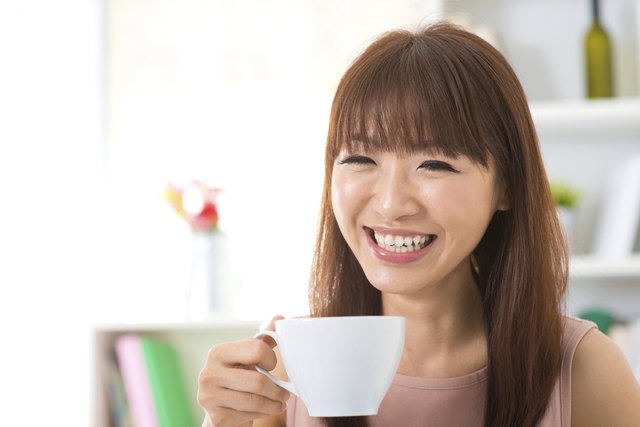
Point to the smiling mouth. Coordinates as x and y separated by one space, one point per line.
401 244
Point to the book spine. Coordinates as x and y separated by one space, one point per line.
167 384
120 412
135 377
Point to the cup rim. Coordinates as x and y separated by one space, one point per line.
340 318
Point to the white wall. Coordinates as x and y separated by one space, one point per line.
50 166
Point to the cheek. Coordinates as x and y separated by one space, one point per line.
466 207
342 198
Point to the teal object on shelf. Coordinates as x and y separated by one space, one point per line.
603 318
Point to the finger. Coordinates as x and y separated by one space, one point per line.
225 416
250 403
251 381
248 352
270 326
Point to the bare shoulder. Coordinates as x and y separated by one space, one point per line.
279 420
604 390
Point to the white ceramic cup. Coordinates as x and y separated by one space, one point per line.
339 366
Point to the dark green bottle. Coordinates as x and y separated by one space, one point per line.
598 58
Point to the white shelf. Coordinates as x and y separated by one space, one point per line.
210 324
591 268
603 116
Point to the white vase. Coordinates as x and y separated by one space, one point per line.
567 220
209 292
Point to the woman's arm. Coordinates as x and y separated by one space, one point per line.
604 389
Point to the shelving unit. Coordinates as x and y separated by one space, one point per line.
583 141
192 341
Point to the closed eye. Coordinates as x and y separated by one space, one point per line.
437 165
357 160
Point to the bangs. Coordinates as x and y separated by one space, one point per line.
407 96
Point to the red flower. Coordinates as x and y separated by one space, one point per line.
207 219
195 203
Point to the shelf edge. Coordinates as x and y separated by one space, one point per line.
616 115
591 267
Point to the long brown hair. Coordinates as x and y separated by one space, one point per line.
449 87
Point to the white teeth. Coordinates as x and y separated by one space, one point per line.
402 244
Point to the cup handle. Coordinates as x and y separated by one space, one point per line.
284 384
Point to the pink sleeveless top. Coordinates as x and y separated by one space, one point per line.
459 401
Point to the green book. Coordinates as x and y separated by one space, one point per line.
167 384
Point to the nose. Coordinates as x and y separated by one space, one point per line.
394 195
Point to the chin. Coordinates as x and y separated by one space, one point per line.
395 286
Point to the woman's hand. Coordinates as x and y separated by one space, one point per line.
231 391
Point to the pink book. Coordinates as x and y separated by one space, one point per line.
136 380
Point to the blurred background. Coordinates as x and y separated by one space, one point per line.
104 105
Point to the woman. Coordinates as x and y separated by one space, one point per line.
436 207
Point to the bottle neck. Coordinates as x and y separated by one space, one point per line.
595 10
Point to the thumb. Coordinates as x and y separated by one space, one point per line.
270 326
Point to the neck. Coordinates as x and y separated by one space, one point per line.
445 330
595 12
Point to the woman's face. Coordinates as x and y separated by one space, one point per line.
413 221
